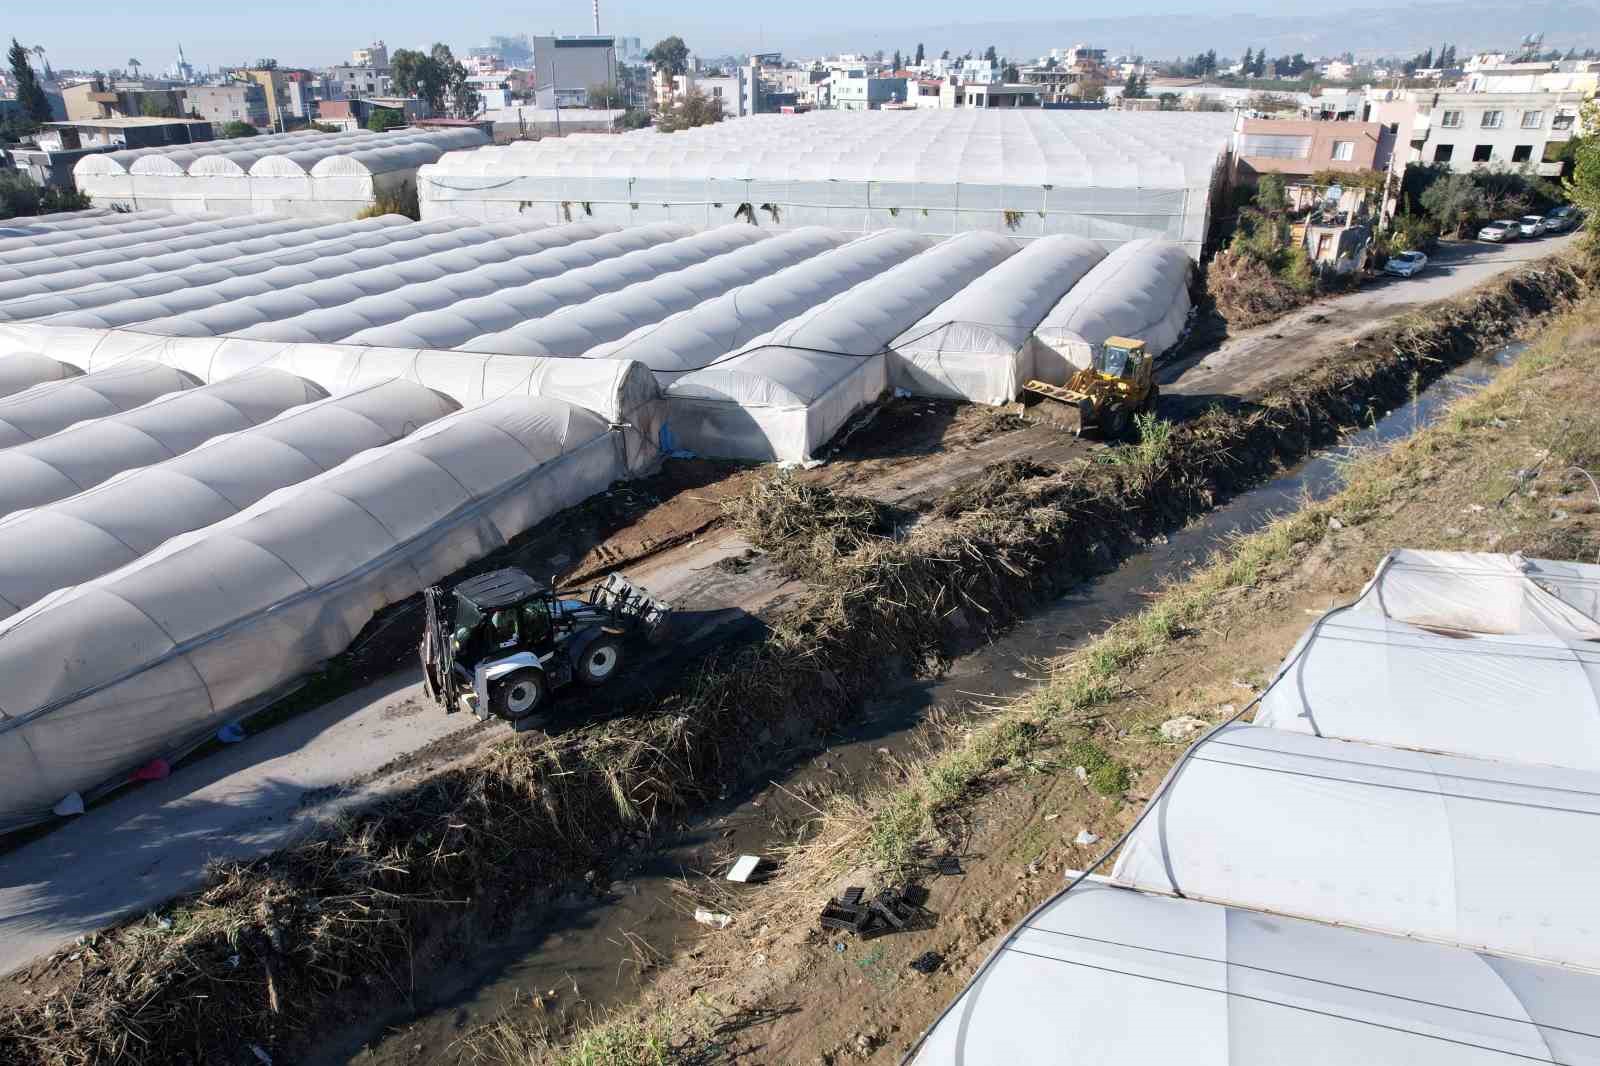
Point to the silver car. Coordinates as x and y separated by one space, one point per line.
1561 219
1405 264
1532 225
1500 231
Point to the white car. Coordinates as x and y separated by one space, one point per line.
1405 264
1500 230
1532 225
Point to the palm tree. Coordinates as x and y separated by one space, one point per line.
38 50
134 65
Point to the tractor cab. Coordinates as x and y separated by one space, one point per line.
1122 359
1103 397
498 613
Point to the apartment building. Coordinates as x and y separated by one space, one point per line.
853 89
565 68
1475 130
1296 149
240 101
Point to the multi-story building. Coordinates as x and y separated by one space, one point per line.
96 99
275 85
1476 130
853 89
239 101
375 54
347 82
565 68
1298 148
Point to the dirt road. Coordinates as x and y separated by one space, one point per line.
140 848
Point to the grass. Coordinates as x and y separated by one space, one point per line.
275 950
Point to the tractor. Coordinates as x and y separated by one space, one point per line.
499 644
1103 397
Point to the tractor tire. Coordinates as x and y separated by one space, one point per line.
519 694
1152 401
600 661
1114 425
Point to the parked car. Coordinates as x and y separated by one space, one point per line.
1500 231
1532 225
1405 264
1561 219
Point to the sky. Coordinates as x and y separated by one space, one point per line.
100 34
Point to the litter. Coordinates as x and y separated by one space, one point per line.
1084 838
1182 727
745 869
71 803
154 770
927 962
890 910
715 919
232 733
255 1049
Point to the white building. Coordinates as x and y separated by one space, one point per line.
375 54
1479 130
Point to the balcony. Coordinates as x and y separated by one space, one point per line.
1548 170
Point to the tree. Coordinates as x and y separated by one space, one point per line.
945 55
31 99
1272 195
1584 186
1455 202
238 129
265 64
437 78
385 118
1247 64
670 54
920 53
44 64
989 54
897 64
1132 89
606 96
1011 74
152 107
695 109
134 65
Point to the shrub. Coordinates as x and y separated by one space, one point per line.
238 129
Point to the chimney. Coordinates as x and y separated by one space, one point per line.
597 18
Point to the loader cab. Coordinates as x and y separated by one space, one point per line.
498 613
1123 359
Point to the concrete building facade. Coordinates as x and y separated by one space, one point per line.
1468 131
565 68
239 101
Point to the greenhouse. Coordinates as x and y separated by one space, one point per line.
1356 674
54 405
1482 592
786 393
23 370
1109 177
158 654
87 453
1486 855
977 345
1140 290
302 174
1126 977
77 539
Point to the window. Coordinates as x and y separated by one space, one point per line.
1563 120
1450 119
1324 245
1275 146
1483 153
1443 152
1491 120
1532 120
1344 151
1522 153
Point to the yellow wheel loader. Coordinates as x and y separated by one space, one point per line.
1102 398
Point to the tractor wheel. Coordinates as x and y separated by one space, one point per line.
1115 423
518 694
1152 400
600 661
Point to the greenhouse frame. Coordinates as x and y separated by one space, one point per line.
1139 291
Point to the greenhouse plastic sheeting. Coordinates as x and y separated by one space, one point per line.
1482 592
83 455
25 298
1103 974
197 235
55 405
1140 290
1484 855
23 370
1526 698
93 533
206 285
159 653
787 393
1105 176
474 324
977 344
697 337
463 275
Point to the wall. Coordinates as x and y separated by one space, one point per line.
1530 125
221 104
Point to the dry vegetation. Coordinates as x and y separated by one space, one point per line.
277 948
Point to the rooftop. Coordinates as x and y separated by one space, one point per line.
129 123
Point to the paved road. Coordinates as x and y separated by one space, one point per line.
145 846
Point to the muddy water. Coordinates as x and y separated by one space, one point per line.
584 954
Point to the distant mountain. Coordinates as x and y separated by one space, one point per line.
1399 30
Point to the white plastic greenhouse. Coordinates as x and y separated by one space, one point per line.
1110 177
610 297
1482 592
978 345
315 174
92 533
1529 698
23 370
54 405
1483 855
1102 974
156 655
1140 290
83 455
786 393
